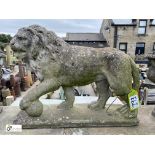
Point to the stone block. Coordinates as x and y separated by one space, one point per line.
78 117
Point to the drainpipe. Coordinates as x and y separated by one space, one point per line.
115 37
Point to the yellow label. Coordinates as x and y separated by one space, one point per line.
133 100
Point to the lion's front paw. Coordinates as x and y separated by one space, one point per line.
96 106
65 105
24 104
27 101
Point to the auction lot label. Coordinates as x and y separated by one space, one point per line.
133 100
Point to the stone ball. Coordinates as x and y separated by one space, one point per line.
35 109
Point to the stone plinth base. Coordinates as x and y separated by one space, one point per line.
77 117
146 125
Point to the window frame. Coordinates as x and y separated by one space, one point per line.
141 20
126 46
139 26
144 47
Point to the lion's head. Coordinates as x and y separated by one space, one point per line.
30 40
36 45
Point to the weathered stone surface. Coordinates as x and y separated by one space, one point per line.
57 63
146 125
35 109
79 116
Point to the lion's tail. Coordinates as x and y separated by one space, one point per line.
135 75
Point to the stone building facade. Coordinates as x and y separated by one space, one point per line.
135 37
95 40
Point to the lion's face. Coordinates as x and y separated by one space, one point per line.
21 41
24 42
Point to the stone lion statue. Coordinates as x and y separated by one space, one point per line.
56 63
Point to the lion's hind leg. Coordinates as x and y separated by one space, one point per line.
103 90
121 89
70 97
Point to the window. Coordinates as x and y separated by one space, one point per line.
140 48
153 46
142 23
142 27
123 47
